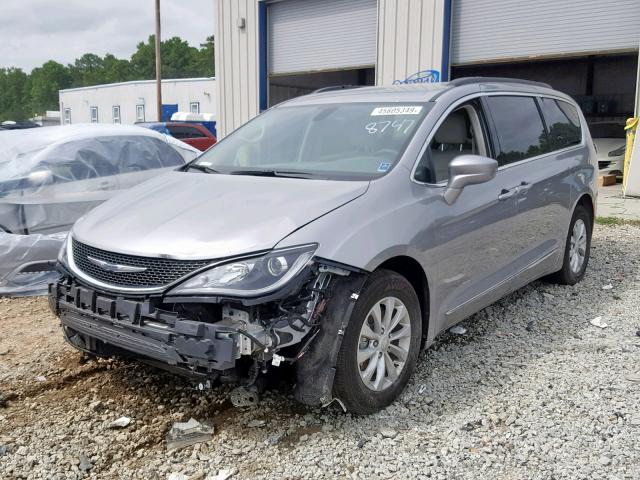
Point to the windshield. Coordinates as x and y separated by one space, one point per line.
345 142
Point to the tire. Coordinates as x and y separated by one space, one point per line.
568 274
349 385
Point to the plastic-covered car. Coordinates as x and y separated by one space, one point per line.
50 177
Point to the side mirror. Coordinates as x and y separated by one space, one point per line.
468 170
39 177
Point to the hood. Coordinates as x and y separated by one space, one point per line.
193 215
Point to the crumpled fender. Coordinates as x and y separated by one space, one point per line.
316 369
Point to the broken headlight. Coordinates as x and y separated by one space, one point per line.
251 276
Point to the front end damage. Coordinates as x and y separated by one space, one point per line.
218 339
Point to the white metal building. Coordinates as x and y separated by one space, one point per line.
131 102
270 50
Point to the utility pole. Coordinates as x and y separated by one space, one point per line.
158 63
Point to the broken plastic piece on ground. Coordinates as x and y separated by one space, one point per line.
243 397
458 330
597 322
120 422
607 287
184 434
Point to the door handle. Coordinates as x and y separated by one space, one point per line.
507 194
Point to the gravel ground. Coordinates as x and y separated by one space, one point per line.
532 390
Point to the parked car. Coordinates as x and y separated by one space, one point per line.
51 176
610 141
338 232
190 133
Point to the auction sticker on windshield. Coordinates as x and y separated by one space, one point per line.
399 110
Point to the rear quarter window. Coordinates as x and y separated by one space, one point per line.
563 123
519 128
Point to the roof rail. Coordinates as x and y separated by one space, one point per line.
467 80
337 87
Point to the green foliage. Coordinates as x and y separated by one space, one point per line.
24 95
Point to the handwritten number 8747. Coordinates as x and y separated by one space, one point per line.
398 125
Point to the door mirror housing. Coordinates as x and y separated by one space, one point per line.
468 170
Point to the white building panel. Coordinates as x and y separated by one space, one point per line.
410 39
312 35
500 30
76 104
236 62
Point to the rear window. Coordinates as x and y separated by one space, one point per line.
519 127
563 123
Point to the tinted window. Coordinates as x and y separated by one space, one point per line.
183 131
563 123
520 130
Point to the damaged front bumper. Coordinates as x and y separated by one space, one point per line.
230 340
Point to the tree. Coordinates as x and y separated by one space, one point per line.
24 95
14 97
45 83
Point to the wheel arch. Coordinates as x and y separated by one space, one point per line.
586 201
411 269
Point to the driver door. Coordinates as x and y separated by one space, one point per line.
475 236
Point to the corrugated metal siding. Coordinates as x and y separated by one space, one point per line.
410 35
236 63
306 35
485 30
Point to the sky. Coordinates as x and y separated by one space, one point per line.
34 31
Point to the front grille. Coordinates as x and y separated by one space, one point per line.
159 271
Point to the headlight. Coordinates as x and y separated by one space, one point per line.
63 256
251 276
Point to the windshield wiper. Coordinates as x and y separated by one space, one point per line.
272 173
201 168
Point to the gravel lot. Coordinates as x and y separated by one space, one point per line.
532 390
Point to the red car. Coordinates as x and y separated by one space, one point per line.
193 134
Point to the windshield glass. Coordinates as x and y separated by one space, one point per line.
347 141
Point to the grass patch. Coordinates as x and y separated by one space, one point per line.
617 221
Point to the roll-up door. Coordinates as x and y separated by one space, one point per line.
485 30
312 35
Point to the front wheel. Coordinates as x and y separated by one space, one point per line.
381 344
577 248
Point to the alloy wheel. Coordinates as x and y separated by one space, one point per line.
384 342
577 246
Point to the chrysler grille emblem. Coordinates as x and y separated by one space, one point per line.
113 267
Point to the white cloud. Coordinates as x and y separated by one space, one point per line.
34 31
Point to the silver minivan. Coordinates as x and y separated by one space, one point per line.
338 233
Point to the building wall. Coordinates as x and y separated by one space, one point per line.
411 39
236 63
490 30
129 94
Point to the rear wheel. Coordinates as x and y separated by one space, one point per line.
381 344
577 248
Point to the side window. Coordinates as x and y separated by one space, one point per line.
519 127
563 123
461 133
